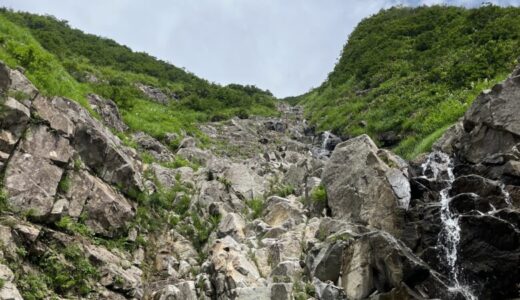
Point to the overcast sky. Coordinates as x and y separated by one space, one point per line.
286 46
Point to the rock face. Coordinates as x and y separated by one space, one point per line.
361 187
108 111
265 212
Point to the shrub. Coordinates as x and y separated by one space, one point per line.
256 206
319 194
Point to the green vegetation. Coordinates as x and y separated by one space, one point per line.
414 71
319 194
283 190
256 206
4 206
64 184
68 271
68 225
64 61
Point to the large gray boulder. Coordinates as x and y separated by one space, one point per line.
99 149
107 211
33 173
362 188
379 262
492 123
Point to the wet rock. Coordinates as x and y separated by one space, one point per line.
377 261
489 248
358 187
108 111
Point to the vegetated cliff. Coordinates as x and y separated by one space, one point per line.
406 74
152 95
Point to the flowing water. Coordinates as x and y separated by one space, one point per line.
439 167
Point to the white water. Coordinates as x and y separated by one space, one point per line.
326 138
439 167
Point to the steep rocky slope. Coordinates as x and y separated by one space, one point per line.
269 209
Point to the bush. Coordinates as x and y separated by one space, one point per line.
319 195
256 206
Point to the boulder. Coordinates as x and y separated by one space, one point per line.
283 212
31 183
232 225
154 93
282 291
492 123
362 188
379 262
107 212
98 148
489 248
21 86
108 111
244 182
232 268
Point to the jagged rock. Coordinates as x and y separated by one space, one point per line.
14 118
99 149
377 261
195 155
287 269
167 177
153 93
31 183
492 123
108 111
153 146
232 268
22 86
328 291
363 188
282 291
244 182
107 211
42 142
324 265
275 126
488 192
8 290
282 212
188 142
232 225
449 142
489 248
115 273
182 291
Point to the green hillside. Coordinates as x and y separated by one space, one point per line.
414 71
62 61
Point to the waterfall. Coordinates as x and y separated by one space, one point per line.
439 167
326 137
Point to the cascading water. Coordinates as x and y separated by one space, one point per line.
439 167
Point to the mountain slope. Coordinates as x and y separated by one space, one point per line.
408 73
153 96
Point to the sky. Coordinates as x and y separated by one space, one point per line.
286 46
